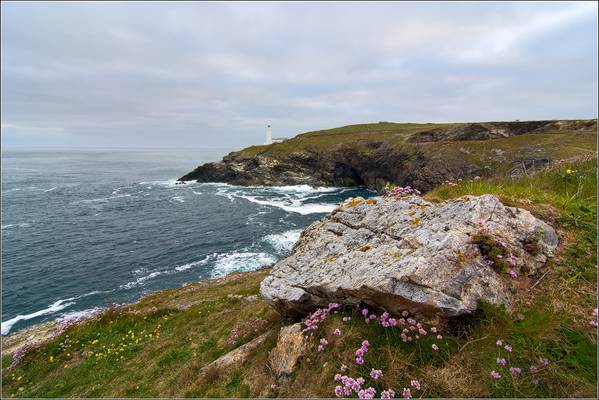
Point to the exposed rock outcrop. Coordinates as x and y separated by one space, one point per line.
290 347
411 254
419 155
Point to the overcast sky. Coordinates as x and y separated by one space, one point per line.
214 74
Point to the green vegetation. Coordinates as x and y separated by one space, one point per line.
156 347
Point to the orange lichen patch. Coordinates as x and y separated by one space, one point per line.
330 259
411 213
415 221
371 201
423 206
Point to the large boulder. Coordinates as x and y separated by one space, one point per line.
410 254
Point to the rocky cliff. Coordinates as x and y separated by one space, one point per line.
420 155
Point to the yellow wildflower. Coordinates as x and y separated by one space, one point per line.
51 359
569 171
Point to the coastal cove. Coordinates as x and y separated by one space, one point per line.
83 229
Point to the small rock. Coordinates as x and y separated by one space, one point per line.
290 347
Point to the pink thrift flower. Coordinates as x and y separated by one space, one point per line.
344 367
338 391
372 317
337 377
336 332
392 323
535 382
365 344
513 273
404 313
495 375
534 369
376 373
593 323
499 343
345 319
415 384
435 347
508 348
365 312
422 331
434 329
407 394
387 394
439 337
594 312
367 393
502 362
512 260
515 371
360 360
544 361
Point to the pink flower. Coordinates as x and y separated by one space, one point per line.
434 329
392 323
365 312
535 382
502 362
544 361
534 369
512 260
594 312
376 373
513 273
407 393
372 317
387 394
439 337
508 348
415 384
345 319
367 393
435 347
593 323
495 375
360 360
404 313
337 377
499 343
344 367
422 331
338 391
515 371
336 332
365 344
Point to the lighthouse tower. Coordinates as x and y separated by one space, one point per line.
268 134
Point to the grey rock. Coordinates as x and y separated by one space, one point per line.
407 254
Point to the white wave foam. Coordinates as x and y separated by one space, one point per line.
78 314
54 307
203 261
101 199
283 242
142 279
240 261
295 206
20 225
51 189
179 199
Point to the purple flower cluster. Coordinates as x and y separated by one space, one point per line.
322 344
593 322
388 394
376 374
350 385
320 315
361 352
398 192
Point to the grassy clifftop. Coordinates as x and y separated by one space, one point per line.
156 347
419 155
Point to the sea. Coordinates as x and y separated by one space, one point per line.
86 228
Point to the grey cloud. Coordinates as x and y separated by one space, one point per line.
213 74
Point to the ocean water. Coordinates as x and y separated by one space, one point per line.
82 229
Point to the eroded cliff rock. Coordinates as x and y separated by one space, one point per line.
411 254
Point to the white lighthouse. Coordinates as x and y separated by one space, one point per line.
268 134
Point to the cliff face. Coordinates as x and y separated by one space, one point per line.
420 155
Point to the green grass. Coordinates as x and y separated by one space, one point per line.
190 328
